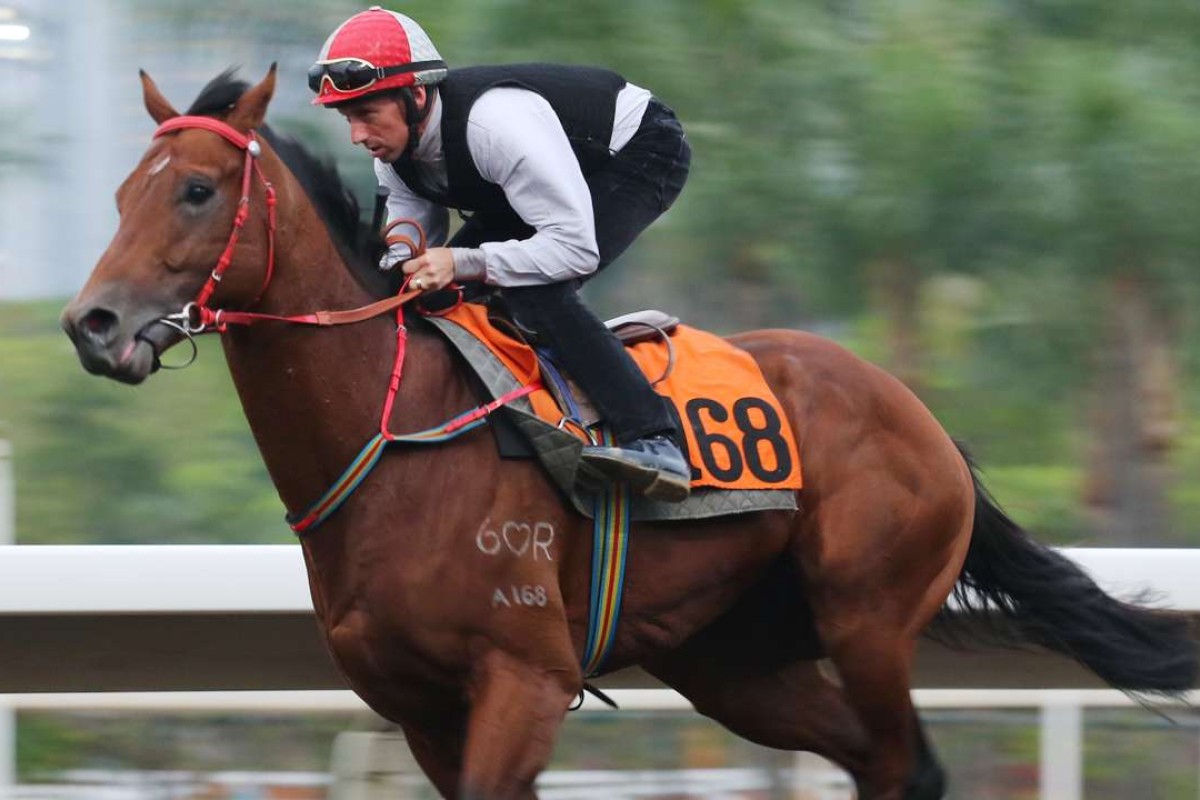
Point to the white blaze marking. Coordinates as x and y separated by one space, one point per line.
160 166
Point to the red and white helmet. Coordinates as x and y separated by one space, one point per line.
373 51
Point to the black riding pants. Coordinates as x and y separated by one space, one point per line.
632 189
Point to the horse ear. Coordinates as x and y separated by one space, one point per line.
159 107
250 111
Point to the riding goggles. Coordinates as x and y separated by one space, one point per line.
355 74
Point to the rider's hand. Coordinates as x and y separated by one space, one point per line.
432 270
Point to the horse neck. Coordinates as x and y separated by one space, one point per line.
313 398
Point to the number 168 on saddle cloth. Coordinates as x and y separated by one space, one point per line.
737 434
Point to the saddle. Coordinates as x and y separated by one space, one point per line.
739 441
630 329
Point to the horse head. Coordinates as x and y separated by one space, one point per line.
177 209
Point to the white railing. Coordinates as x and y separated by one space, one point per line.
214 617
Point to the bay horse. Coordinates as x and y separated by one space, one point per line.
795 630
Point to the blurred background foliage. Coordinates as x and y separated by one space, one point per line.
994 199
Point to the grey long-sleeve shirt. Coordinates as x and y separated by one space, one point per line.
518 143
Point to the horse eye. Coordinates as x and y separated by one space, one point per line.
197 193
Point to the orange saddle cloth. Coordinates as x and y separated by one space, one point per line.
737 434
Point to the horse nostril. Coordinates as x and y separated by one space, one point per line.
99 325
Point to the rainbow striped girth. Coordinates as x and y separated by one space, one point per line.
610 540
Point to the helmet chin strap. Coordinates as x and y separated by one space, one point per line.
415 116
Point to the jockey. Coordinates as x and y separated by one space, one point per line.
560 167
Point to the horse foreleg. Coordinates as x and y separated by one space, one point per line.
516 711
437 746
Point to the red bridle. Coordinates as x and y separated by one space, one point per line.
197 317
247 142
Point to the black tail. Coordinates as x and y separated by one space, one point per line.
1032 594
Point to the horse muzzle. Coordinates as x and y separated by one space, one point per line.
109 346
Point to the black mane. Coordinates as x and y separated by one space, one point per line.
360 246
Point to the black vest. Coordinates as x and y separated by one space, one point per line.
584 98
